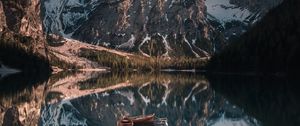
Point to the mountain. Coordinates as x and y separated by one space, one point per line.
183 99
234 17
175 30
271 46
21 36
168 28
143 26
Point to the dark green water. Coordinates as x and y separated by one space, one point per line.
185 99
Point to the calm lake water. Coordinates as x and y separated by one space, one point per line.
185 99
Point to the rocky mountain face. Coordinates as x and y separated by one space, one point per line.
21 35
22 17
167 28
155 27
2 18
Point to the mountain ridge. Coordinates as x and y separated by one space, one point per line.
271 46
170 29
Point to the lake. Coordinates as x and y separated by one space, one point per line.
183 98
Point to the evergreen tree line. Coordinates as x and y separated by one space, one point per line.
137 62
271 46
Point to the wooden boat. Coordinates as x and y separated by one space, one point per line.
147 120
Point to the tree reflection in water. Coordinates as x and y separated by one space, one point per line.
24 93
272 100
183 98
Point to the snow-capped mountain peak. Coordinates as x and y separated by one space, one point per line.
170 28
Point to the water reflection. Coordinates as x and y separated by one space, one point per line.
272 100
88 98
24 92
184 99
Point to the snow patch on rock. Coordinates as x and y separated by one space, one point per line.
59 19
166 44
146 39
188 43
129 44
225 12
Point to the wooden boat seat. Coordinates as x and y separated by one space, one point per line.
144 120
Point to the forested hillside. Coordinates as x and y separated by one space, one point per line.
272 46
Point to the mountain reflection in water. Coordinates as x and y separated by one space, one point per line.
26 93
100 99
184 99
